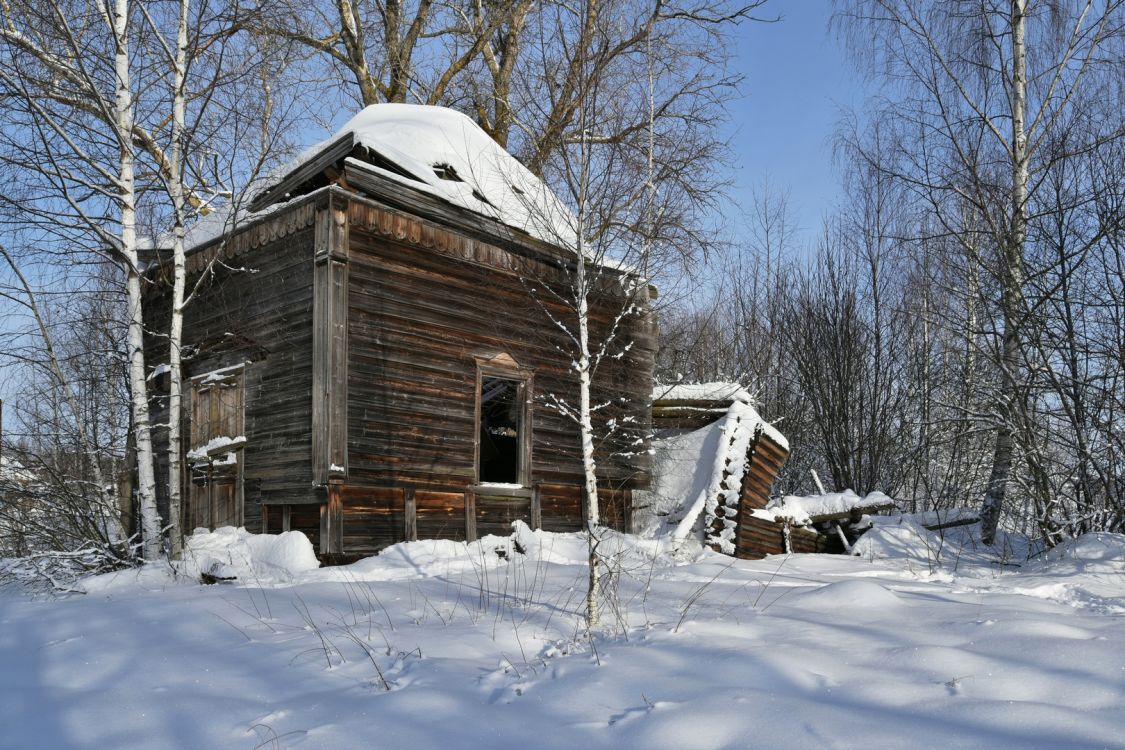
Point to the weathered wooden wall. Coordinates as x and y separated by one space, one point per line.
758 537
680 414
253 306
425 306
362 329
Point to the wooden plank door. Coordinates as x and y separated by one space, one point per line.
217 411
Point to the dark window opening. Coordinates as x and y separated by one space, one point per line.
376 159
500 425
447 172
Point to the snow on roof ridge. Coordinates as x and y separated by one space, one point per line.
455 160
727 392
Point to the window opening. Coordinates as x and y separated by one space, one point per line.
375 159
500 427
447 172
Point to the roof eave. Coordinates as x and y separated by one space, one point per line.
334 152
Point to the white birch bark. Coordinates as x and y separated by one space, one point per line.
1011 300
585 423
176 326
142 428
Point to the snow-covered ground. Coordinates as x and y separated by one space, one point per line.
437 644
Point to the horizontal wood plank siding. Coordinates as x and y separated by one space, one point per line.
372 518
420 306
441 515
495 513
561 507
424 307
253 306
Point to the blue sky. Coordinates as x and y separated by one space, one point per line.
797 79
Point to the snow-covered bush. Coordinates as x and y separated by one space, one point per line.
55 529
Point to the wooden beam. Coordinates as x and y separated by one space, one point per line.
330 344
411 515
331 154
536 508
331 522
951 524
853 514
470 515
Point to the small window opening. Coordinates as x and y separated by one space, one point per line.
500 425
447 172
376 159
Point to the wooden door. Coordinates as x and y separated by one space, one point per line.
215 456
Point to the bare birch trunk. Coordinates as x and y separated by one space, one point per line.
589 467
142 428
176 327
585 423
1011 300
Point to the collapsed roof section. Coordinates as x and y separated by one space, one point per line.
690 406
433 151
707 480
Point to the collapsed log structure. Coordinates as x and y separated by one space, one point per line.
713 431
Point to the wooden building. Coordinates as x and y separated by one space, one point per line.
374 353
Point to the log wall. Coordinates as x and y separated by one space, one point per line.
426 309
253 306
369 326
757 537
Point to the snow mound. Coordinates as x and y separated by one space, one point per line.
682 469
228 552
443 557
898 538
1097 552
848 595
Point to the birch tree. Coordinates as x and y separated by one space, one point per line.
89 111
64 424
977 90
67 102
620 215
217 119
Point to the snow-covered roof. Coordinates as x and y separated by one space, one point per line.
716 391
734 394
806 509
12 470
444 153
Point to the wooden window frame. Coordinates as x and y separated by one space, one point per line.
525 389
